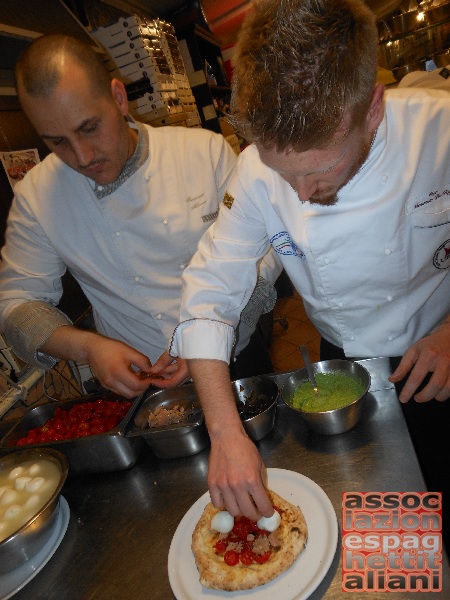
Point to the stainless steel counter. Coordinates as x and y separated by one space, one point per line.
121 526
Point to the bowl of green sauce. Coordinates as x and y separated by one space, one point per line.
342 387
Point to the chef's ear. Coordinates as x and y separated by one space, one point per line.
376 109
119 94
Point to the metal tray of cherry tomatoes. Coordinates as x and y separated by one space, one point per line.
89 430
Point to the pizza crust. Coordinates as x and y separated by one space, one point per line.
216 574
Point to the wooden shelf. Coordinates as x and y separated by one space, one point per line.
220 88
417 31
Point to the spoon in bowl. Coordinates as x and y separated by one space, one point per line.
308 365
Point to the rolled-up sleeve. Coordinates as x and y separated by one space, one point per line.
29 326
30 285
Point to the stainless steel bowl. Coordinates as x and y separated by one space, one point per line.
442 59
103 452
438 14
26 542
256 399
401 71
178 439
403 23
335 421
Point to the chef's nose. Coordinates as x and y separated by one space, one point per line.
83 153
305 187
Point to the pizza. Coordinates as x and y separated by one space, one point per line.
248 556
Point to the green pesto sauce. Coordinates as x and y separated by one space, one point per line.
335 390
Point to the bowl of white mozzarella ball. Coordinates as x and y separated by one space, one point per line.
30 486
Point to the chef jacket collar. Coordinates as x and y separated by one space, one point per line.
135 161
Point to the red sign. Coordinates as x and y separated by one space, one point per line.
391 542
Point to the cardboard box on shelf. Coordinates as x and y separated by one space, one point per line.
194 121
131 26
226 127
151 105
148 114
234 142
173 119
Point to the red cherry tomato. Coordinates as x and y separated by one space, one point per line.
231 557
23 442
221 546
247 557
262 558
241 527
82 419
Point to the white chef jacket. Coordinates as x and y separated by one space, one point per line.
437 78
373 270
127 250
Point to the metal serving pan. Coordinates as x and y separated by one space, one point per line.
103 452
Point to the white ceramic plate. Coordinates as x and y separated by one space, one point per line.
298 582
17 579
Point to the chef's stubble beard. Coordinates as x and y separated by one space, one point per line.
332 199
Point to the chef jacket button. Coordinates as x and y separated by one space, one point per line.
326 260
99 188
389 298
165 221
340 304
159 317
137 278
388 251
147 178
182 266
352 338
384 178
390 337
117 233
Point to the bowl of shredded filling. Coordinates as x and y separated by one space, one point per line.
171 422
336 405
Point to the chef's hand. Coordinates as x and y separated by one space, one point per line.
236 476
112 363
167 372
431 354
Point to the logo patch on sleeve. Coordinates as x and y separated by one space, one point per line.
441 259
282 244
228 200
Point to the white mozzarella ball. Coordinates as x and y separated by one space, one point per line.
9 496
35 484
16 472
21 482
34 469
222 522
12 511
32 501
270 523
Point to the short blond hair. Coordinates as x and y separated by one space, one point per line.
299 67
41 65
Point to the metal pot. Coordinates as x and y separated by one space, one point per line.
438 14
442 59
400 72
403 23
